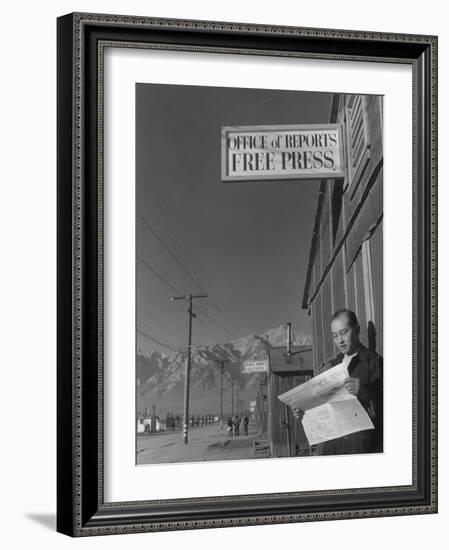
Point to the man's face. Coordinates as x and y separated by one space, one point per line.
345 336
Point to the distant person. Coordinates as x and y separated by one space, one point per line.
236 426
365 381
245 425
230 426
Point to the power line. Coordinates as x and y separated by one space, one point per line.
154 318
215 322
158 274
214 334
183 267
226 316
172 254
179 292
155 340
156 332
150 334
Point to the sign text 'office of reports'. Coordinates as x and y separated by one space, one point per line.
282 152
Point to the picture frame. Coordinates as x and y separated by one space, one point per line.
81 506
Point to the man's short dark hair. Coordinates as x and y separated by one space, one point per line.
352 317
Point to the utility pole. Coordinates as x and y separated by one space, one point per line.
237 401
190 299
232 396
221 363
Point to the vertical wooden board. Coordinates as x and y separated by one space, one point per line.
314 335
286 385
348 204
289 418
378 195
319 341
275 406
337 212
373 206
291 382
296 380
275 418
312 284
361 307
377 271
317 263
271 392
374 121
367 218
261 413
352 302
325 233
338 286
373 154
327 314
281 416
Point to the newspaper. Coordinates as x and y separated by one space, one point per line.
330 411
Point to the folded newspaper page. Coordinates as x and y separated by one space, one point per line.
330 410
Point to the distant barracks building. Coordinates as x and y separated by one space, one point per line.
345 268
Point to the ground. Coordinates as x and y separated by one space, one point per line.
205 443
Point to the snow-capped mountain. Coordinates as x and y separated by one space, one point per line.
160 377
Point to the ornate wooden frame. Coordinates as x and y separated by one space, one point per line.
81 41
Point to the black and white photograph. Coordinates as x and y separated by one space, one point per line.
259 273
221 270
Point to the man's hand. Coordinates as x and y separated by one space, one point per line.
298 413
352 385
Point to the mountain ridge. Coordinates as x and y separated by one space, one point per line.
160 377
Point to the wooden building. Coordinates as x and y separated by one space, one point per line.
287 370
345 267
280 433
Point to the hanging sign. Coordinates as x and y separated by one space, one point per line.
255 366
282 152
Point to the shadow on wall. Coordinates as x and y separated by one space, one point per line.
371 336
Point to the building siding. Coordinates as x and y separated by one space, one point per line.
346 267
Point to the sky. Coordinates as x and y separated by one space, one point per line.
245 244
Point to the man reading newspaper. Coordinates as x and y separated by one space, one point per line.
346 398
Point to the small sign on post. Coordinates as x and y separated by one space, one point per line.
282 152
260 365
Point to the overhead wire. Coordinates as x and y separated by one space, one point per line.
214 334
153 318
163 279
184 268
215 322
170 285
155 332
155 340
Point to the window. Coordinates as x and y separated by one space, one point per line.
357 137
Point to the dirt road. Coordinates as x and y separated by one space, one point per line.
205 443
